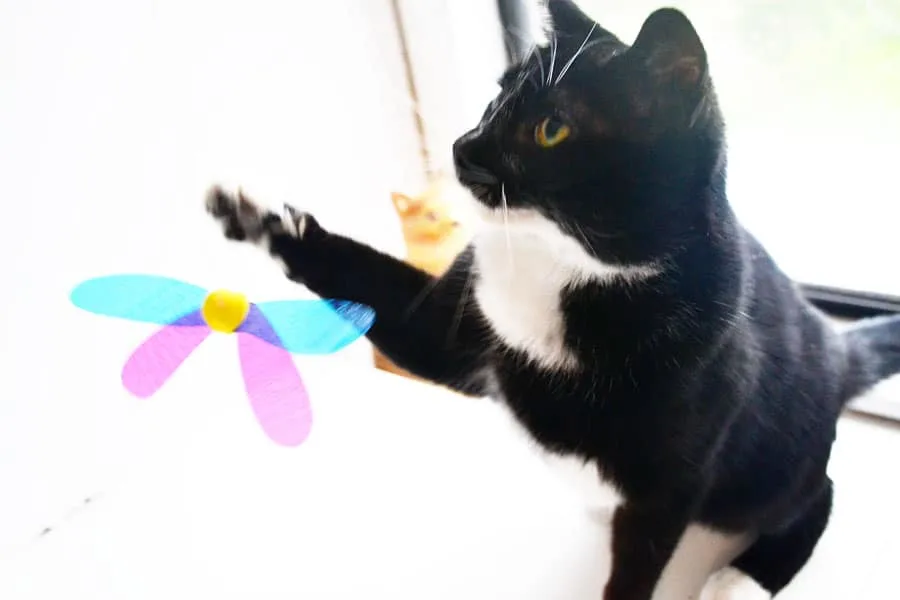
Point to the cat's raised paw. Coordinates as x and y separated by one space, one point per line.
241 218
244 220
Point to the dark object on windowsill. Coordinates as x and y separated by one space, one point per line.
851 304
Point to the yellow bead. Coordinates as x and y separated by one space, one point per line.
224 311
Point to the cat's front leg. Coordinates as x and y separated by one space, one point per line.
426 325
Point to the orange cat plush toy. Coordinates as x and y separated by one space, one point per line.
434 236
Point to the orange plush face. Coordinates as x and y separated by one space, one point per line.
424 218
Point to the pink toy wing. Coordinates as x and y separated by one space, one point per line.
154 361
276 392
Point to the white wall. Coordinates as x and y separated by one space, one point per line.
114 118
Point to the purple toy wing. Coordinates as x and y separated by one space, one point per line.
154 361
277 395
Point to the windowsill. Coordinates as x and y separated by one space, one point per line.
230 515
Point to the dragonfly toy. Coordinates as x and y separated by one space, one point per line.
267 334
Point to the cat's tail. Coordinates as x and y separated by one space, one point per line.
874 352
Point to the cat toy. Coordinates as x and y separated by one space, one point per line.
267 334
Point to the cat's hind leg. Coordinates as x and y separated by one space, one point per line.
775 558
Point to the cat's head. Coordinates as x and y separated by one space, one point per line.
620 147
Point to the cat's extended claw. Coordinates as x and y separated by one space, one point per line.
296 221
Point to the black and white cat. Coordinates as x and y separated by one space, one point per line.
620 311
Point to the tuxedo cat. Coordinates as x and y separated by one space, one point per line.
619 310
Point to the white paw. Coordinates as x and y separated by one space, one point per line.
732 584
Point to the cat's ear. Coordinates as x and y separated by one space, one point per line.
569 21
567 18
669 49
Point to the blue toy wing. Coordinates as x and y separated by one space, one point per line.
312 326
145 298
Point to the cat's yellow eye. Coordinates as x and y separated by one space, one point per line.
550 132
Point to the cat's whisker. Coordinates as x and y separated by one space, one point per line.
578 232
461 305
421 296
532 48
584 239
565 68
536 51
599 234
553 45
530 74
527 41
504 211
540 60
500 106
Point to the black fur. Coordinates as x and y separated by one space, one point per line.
708 393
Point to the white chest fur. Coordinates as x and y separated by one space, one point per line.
519 292
524 266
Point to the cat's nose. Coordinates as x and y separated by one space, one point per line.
470 159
